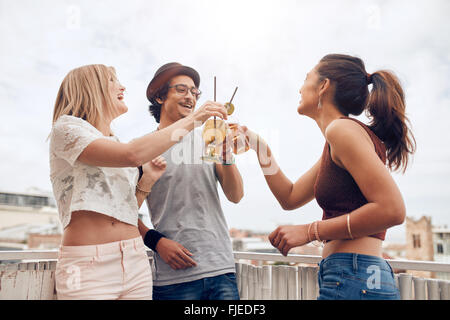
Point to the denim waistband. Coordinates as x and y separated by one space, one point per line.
101 249
355 259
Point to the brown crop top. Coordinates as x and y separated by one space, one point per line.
335 189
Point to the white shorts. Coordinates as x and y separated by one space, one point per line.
115 270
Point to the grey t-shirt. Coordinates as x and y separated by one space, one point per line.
184 205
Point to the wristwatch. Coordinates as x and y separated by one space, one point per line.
230 162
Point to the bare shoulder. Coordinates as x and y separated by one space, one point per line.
342 132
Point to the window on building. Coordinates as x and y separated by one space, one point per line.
440 248
416 240
23 200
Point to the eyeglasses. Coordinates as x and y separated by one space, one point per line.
183 89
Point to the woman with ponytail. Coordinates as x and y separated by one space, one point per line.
351 181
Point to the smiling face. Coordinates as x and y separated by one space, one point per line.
309 94
176 105
116 92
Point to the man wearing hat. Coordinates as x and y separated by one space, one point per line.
184 203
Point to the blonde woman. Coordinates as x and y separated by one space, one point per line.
95 183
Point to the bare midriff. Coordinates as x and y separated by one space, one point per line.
367 245
90 228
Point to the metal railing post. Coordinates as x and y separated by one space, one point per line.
251 282
292 283
300 284
309 282
282 283
275 282
267 282
444 286
238 267
48 291
244 282
419 288
258 283
405 284
433 289
35 280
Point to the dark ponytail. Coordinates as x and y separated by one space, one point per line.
384 104
386 109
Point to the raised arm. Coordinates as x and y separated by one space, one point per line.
290 195
151 172
106 153
228 174
231 181
352 149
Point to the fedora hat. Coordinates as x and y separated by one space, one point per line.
166 72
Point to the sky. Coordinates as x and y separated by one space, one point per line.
263 47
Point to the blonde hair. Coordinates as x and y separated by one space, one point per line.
84 93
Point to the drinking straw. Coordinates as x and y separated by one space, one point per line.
233 94
214 101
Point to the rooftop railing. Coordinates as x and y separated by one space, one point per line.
299 282
30 275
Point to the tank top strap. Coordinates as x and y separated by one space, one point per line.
380 148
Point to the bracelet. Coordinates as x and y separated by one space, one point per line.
309 228
143 191
317 242
348 226
225 163
316 231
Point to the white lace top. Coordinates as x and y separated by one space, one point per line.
78 186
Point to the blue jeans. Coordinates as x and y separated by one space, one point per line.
351 276
223 287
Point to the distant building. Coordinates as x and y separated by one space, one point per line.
35 199
258 242
237 233
425 242
44 241
24 208
394 250
308 249
419 243
29 216
30 221
253 245
441 240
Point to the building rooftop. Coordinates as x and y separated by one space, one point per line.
34 198
20 233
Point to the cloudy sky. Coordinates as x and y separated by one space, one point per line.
264 47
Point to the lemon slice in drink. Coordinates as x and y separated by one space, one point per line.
230 108
214 132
